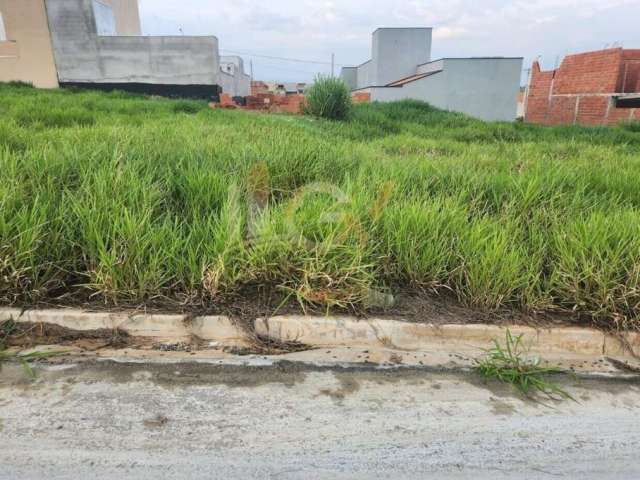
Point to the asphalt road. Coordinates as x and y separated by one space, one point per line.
185 421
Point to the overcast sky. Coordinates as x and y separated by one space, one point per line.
313 29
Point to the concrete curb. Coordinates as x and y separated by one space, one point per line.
336 332
377 333
175 328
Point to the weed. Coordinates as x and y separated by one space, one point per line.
512 364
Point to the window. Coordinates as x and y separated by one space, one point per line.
3 32
105 20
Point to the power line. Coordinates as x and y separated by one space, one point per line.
285 59
281 69
280 66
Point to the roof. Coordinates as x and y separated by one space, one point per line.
402 28
471 58
412 78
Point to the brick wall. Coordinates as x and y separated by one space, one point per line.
258 87
593 72
581 91
630 72
538 95
593 110
361 97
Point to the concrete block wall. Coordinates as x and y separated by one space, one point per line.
127 16
82 56
583 89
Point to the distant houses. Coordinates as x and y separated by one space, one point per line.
97 44
278 88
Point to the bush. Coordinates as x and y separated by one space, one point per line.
329 98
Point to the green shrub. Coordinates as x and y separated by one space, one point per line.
329 98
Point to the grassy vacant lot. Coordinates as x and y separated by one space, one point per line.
128 200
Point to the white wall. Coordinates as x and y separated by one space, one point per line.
367 74
397 52
484 88
105 18
349 75
234 80
434 66
3 32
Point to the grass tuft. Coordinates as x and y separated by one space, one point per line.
328 98
510 363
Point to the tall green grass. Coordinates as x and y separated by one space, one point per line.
129 200
328 98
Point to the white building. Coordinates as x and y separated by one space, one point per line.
401 68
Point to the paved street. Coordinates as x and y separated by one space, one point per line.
105 420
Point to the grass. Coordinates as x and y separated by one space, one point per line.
511 364
128 200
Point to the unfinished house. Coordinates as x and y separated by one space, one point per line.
401 68
97 44
594 88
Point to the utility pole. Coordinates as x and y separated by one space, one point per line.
333 61
251 69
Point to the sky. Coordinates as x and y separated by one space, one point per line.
313 30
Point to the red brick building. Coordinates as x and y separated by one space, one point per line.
258 87
594 88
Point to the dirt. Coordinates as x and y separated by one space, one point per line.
28 335
156 422
410 305
348 386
